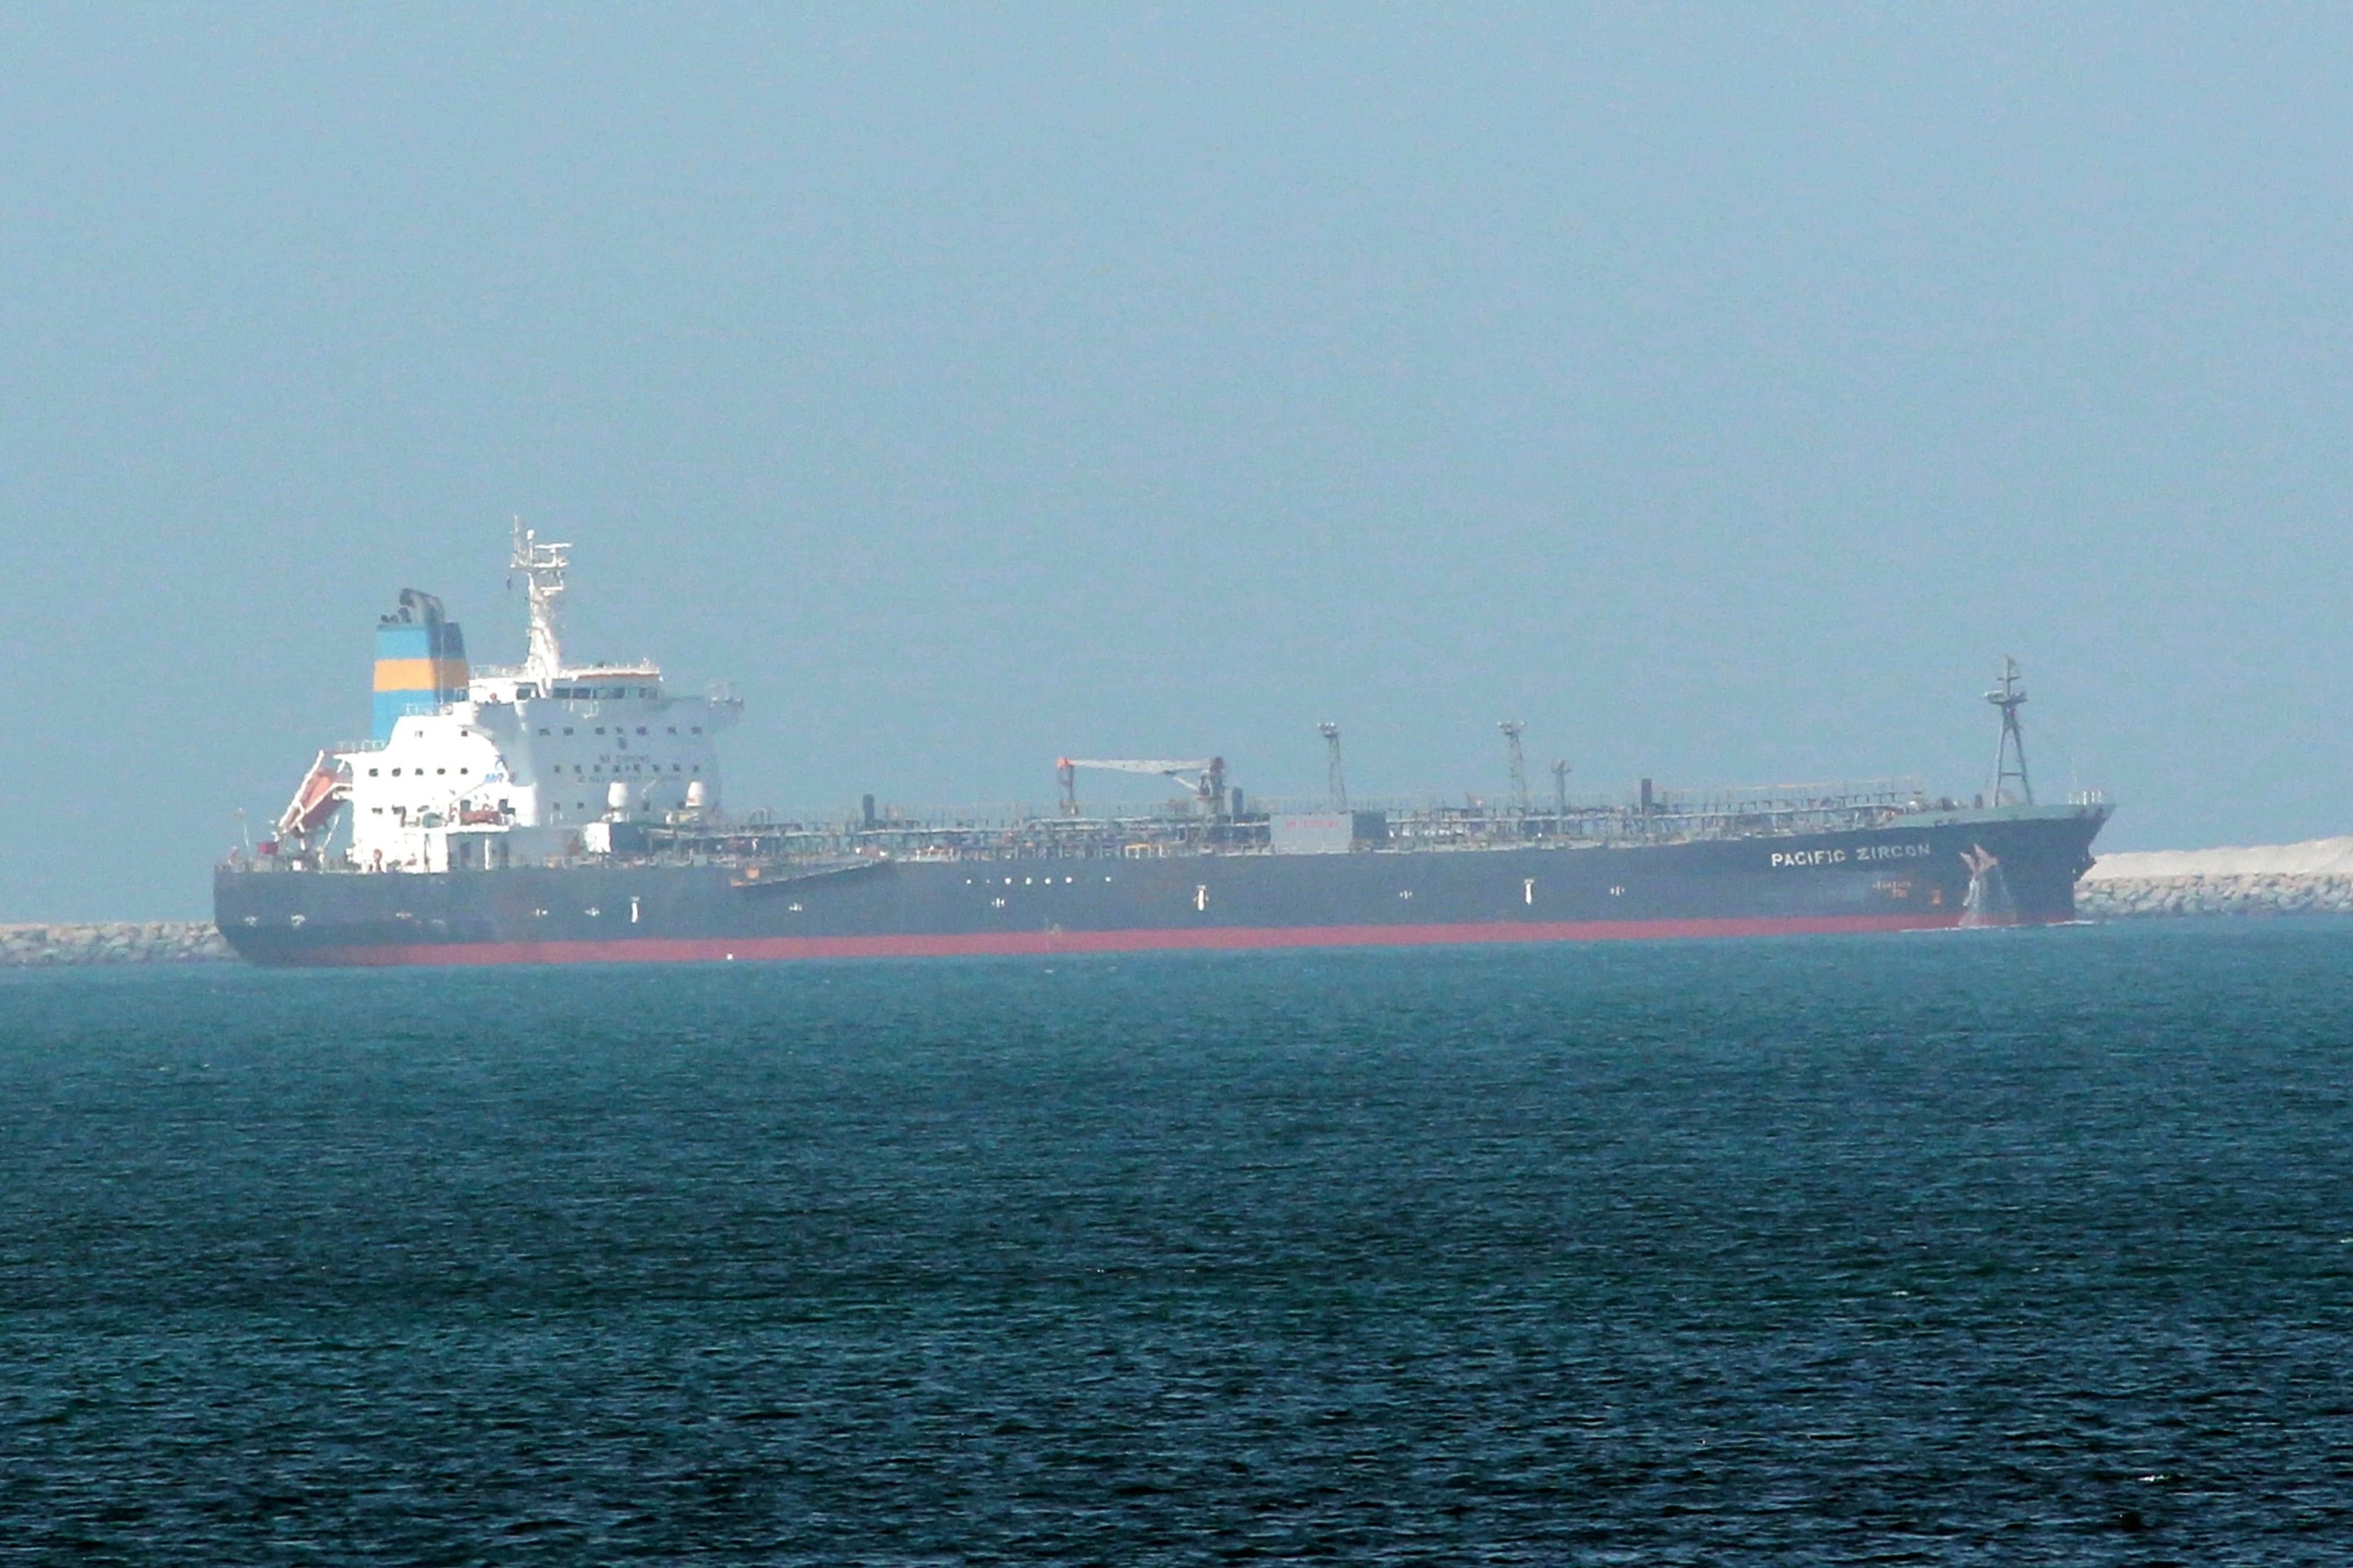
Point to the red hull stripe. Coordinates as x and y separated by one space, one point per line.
708 949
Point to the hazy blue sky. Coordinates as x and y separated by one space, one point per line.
1721 391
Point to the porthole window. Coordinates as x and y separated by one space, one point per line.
567 728
543 729
698 729
395 773
641 729
600 729
371 773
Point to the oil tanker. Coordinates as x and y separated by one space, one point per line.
553 812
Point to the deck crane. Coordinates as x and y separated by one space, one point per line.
1206 775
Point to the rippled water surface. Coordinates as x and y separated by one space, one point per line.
1982 1248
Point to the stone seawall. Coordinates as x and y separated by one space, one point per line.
111 941
2315 878
2273 893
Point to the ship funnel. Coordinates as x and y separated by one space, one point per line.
421 661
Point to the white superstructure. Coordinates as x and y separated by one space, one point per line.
542 761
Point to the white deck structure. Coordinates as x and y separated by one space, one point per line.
540 763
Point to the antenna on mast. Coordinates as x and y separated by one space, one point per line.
1336 782
2009 753
542 566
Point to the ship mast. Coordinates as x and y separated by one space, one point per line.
1335 779
542 566
2009 753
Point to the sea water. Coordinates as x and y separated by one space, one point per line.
2002 1247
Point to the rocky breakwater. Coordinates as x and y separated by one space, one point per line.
2315 878
111 941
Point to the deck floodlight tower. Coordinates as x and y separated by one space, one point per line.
1335 779
1513 729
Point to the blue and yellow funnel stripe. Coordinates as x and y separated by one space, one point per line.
421 661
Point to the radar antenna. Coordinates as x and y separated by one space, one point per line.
2009 753
542 566
1337 781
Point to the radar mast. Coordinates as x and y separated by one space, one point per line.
2009 753
542 566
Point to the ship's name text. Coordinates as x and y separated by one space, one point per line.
1868 852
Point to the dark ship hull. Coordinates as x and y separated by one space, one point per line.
1923 871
